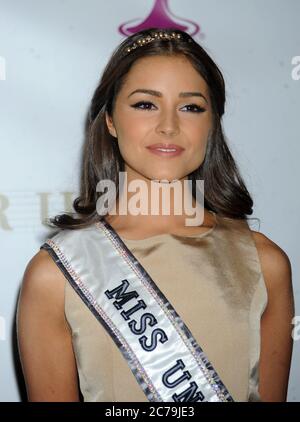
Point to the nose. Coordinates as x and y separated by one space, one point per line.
168 123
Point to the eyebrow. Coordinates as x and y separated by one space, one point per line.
159 94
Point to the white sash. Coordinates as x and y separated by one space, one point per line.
161 351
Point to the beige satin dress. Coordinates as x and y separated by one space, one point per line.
215 283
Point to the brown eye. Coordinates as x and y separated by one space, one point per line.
197 109
142 103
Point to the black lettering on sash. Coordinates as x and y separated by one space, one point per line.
154 334
147 316
140 305
120 294
179 365
123 297
190 394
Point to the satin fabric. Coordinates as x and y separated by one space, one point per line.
215 283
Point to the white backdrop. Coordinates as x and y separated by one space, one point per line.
51 58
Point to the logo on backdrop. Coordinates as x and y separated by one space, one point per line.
26 211
160 16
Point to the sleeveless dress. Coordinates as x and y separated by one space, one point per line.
215 283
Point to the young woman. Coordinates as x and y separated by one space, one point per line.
131 306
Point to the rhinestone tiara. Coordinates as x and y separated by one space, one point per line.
155 36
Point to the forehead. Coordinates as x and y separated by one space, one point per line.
172 72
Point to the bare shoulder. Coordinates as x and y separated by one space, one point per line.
276 326
275 263
44 337
41 269
43 283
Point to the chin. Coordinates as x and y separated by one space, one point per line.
164 178
157 174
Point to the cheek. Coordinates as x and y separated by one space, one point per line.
132 132
198 156
201 133
198 139
198 147
130 146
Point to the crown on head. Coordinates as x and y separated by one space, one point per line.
155 36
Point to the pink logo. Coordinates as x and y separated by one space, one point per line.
161 17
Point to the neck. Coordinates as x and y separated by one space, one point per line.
158 205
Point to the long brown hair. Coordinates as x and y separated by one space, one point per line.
225 191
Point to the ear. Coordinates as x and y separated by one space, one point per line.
110 125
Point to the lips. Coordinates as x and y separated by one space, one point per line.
165 150
167 147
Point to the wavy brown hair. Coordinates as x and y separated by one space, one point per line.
225 191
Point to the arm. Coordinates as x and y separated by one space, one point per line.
276 322
44 337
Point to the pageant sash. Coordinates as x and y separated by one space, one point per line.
159 348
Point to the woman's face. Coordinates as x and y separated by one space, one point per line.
143 119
